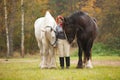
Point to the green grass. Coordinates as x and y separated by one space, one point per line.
28 69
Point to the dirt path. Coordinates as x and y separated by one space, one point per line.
96 62
18 60
102 62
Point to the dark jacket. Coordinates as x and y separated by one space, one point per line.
59 32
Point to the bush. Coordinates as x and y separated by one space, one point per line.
101 49
114 43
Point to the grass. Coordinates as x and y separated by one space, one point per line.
27 69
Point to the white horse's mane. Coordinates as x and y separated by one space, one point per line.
49 20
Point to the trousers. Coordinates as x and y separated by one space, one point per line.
63 48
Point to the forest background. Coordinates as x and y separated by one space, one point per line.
106 12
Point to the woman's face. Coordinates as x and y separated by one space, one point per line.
59 21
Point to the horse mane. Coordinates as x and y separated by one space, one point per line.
76 13
73 18
49 20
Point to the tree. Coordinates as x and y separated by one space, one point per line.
22 29
110 23
7 32
11 22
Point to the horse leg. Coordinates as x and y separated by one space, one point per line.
44 58
79 65
88 54
47 59
85 59
52 63
39 45
41 52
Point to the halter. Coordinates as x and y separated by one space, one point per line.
55 37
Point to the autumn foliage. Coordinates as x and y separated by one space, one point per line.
106 12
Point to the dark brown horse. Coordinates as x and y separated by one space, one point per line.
84 28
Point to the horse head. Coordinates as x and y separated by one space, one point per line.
50 35
69 29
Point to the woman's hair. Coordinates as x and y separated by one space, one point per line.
59 17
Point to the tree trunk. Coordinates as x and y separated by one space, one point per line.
7 32
12 18
22 29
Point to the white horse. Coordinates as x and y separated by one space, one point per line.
46 38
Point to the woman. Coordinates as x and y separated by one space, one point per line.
63 45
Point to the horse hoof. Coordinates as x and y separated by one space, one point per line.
43 67
79 67
89 66
52 67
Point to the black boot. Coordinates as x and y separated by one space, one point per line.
61 62
67 62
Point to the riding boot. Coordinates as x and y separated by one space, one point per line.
61 62
67 62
